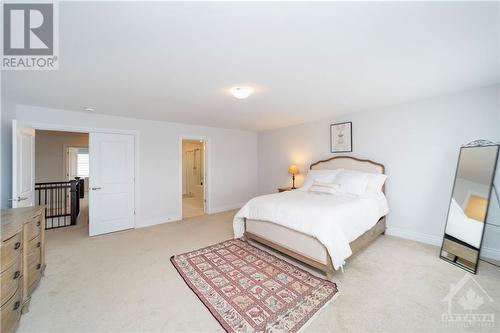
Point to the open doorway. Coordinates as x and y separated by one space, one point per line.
102 195
77 166
62 177
193 178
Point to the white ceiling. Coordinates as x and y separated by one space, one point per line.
307 61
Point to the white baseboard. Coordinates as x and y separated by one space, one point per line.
491 253
486 252
416 236
157 220
225 208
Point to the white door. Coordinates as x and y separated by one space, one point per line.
111 195
72 163
23 166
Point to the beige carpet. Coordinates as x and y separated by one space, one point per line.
125 282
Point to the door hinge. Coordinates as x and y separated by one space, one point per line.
134 211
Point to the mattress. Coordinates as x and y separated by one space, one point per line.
333 220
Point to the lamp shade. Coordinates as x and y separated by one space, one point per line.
293 169
241 92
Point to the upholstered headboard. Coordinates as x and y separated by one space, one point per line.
347 162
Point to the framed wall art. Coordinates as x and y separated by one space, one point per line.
341 137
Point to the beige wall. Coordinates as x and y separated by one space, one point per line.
49 153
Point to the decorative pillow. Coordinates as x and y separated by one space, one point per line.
328 188
352 183
324 176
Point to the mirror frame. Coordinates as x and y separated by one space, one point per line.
474 144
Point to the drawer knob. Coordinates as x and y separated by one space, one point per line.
38 266
17 245
38 223
16 305
38 244
17 274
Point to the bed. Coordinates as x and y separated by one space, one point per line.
313 248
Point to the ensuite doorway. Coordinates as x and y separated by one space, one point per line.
193 178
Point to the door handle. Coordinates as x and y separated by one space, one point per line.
18 199
96 188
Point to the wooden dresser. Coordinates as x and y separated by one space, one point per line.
22 251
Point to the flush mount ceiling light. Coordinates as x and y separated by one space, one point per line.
241 92
88 109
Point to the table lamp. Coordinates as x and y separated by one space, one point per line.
293 170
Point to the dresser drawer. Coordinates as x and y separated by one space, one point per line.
11 250
10 280
11 311
34 267
33 227
34 245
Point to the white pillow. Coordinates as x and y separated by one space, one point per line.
328 188
352 183
375 180
324 176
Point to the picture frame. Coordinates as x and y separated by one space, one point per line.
341 137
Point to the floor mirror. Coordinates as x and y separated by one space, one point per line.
469 204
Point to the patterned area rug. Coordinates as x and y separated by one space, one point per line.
249 290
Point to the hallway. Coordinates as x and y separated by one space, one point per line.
192 206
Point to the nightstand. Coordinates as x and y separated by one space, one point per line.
284 189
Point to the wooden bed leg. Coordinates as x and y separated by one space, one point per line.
329 268
244 237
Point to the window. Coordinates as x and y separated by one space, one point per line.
82 163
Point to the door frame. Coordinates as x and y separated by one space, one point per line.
88 129
207 177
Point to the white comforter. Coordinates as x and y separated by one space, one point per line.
462 227
335 220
